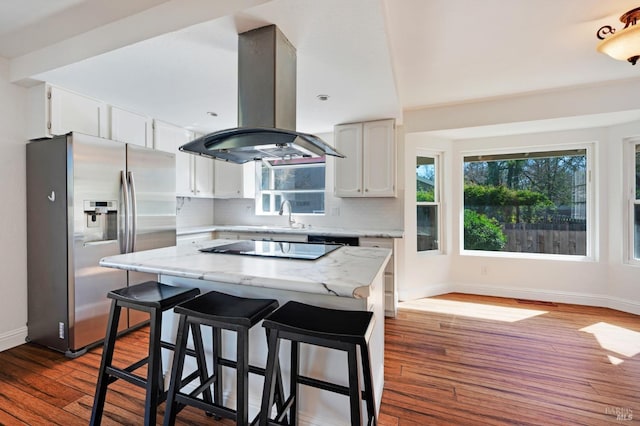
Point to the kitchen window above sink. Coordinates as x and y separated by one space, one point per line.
299 181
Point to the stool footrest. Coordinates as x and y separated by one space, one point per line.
125 375
169 345
316 383
282 414
136 365
204 386
321 384
216 410
233 364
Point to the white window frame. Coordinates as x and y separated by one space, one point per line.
629 168
591 210
437 196
273 209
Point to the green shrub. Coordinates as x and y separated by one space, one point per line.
425 196
508 205
482 233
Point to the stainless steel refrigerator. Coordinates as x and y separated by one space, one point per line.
88 198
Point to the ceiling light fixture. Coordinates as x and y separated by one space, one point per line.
623 45
323 97
212 114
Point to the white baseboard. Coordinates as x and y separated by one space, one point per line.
534 294
13 338
599 300
624 305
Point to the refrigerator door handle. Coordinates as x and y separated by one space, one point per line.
134 213
124 236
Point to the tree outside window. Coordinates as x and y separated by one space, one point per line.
534 202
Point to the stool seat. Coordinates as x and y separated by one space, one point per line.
332 324
220 307
154 295
154 298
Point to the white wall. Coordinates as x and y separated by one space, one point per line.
13 215
425 273
360 213
606 280
623 278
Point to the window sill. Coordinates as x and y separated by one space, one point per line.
528 256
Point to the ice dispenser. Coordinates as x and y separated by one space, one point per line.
101 220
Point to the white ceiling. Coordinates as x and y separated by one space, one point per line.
374 58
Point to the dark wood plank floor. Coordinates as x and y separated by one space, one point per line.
449 360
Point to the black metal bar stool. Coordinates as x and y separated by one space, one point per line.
220 311
329 328
154 298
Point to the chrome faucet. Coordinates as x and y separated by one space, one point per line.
288 203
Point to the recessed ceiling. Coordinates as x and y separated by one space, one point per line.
374 58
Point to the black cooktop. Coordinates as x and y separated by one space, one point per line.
287 250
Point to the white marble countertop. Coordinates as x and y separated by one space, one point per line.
345 272
307 230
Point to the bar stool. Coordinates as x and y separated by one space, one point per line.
219 311
154 298
329 328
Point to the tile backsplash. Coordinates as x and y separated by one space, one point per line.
361 213
193 212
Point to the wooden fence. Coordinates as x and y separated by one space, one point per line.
550 238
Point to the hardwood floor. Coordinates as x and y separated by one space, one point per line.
449 360
471 360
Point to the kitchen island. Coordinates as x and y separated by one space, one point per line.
347 278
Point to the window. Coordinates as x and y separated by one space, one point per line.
301 181
427 203
527 202
635 203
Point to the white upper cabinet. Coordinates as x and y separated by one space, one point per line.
379 158
194 175
203 175
228 179
348 170
130 127
54 111
369 167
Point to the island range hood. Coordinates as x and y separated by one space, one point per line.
266 106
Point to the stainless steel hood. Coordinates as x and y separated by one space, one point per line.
266 106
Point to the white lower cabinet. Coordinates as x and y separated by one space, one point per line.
193 239
390 294
232 235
